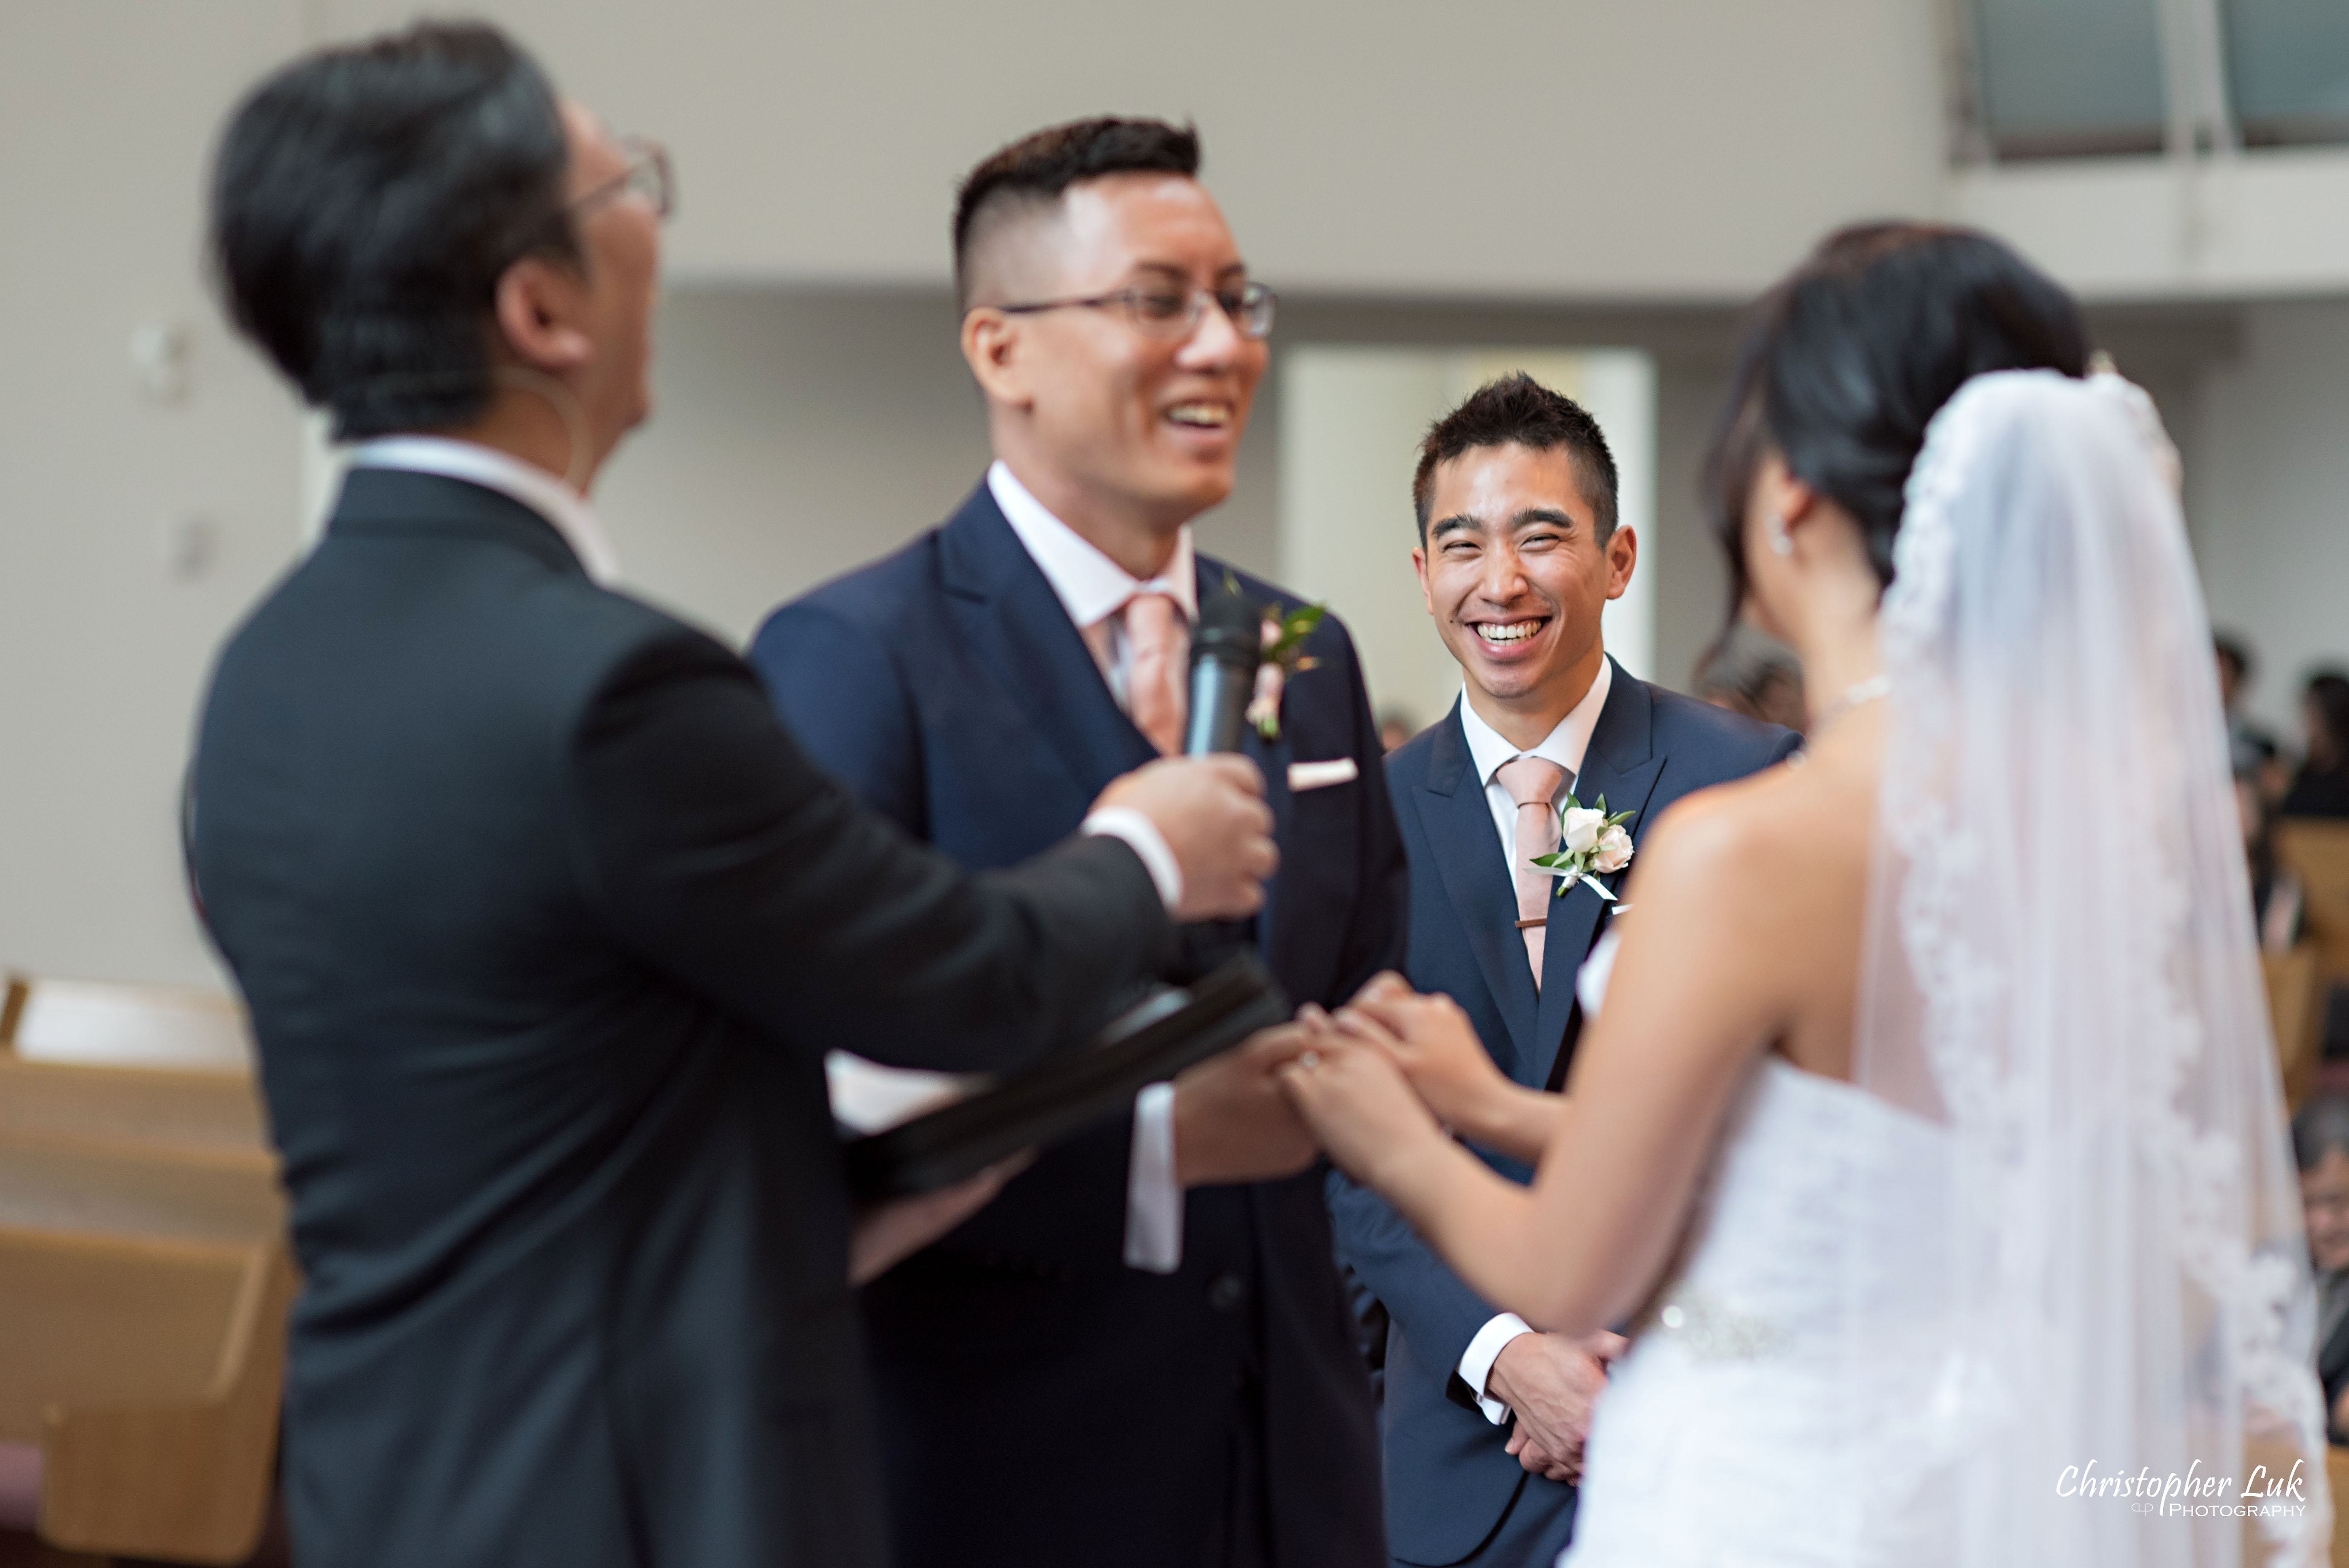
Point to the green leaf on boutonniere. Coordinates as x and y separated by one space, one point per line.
1282 655
1287 647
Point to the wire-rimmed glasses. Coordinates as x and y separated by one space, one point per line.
1172 313
646 178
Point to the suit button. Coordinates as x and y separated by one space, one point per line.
1226 1292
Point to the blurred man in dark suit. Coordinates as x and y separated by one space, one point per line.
545 922
1141 1355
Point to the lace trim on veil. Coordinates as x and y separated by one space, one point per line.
1958 1018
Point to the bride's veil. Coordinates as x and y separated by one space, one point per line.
2059 969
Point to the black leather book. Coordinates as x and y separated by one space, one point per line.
1174 1028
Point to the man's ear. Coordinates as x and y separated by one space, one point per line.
1622 556
991 347
1418 565
542 310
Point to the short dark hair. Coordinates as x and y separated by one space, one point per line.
2321 1124
1519 411
1038 169
364 204
2327 692
2232 650
1846 360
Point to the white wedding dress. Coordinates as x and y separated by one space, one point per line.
2050 1230
1727 1435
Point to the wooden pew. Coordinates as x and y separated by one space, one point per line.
2296 987
194 1113
2317 852
97 1023
2336 1473
147 1370
142 1319
107 1189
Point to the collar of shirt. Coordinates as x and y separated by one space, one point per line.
1564 744
564 509
1089 585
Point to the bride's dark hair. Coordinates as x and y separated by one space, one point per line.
1846 360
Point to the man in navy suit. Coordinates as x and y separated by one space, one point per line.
1141 1355
1518 554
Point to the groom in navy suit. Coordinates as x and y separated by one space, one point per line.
1141 1355
1519 553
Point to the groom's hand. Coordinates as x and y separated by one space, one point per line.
1232 1122
1551 1383
1431 1039
1210 811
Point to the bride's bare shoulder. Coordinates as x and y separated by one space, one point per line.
1766 834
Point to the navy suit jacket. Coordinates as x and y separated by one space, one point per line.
1042 1402
1450 1481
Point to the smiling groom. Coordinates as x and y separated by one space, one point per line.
1519 553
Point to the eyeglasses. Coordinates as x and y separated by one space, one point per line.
1174 313
645 178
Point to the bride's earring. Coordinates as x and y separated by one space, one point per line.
1781 541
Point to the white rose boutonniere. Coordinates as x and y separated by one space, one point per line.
1592 843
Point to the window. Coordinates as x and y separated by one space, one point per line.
2077 78
2062 78
2287 69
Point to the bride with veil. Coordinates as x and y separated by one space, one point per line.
1926 1134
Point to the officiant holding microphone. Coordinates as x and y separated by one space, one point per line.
1141 1353
545 922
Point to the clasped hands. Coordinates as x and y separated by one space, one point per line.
1386 1079
1389 1067
1552 1383
1369 1083
1394 1072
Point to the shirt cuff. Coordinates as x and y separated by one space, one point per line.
1476 1362
1153 1202
1138 830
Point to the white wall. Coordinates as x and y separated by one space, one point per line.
108 107
793 436
2268 485
1532 146
2273 221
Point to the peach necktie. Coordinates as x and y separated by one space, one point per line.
1532 782
1153 684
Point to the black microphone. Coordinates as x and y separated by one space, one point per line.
1224 652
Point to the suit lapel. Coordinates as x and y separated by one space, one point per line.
1004 610
1459 827
1272 756
1618 765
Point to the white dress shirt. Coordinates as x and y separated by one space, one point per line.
1093 588
1094 591
1565 746
563 508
